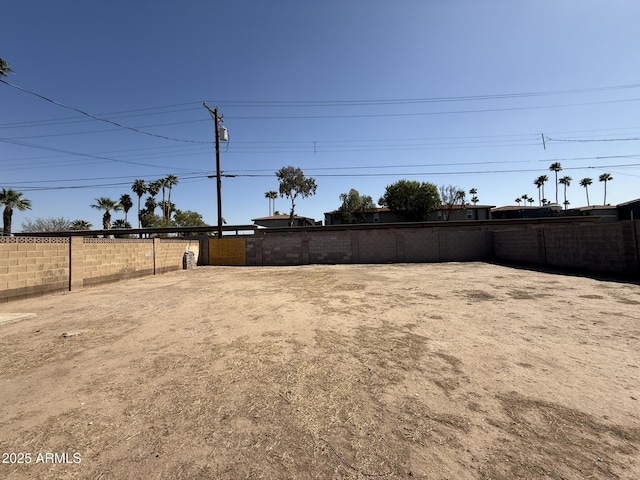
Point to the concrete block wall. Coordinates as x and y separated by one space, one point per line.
521 246
599 247
108 260
32 266
169 252
329 247
607 248
374 245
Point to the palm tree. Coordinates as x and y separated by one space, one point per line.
127 203
518 200
106 204
566 181
120 223
556 167
150 205
171 181
605 177
531 200
543 179
139 187
163 185
153 188
271 195
585 182
12 199
80 225
474 192
539 183
524 198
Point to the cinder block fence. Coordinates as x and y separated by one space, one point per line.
37 265
31 266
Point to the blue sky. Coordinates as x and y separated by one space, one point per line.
358 94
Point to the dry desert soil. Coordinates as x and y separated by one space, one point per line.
434 371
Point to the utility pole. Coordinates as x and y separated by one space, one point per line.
216 121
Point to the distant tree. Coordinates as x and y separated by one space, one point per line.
355 207
271 195
474 198
80 225
106 204
127 203
412 199
170 181
541 180
4 68
565 181
150 206
585 182
519 200
167 209
46 225
294 184
450 197
530 200
556 167
188 218
566 204
121 224
11 199
525 198
605 177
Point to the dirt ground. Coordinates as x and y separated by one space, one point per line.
437 371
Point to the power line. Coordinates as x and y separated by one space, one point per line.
418 114
402 101
68 152
101 119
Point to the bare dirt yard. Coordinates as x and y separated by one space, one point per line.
437 371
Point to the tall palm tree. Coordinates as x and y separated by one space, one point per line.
127 203
585 182
171 181
106 204
11 199
539 183
139 187
474 192
605 177
163 184
556 167
566 181
543 179
271 195
525 198
518 200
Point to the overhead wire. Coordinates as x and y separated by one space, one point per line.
95 117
